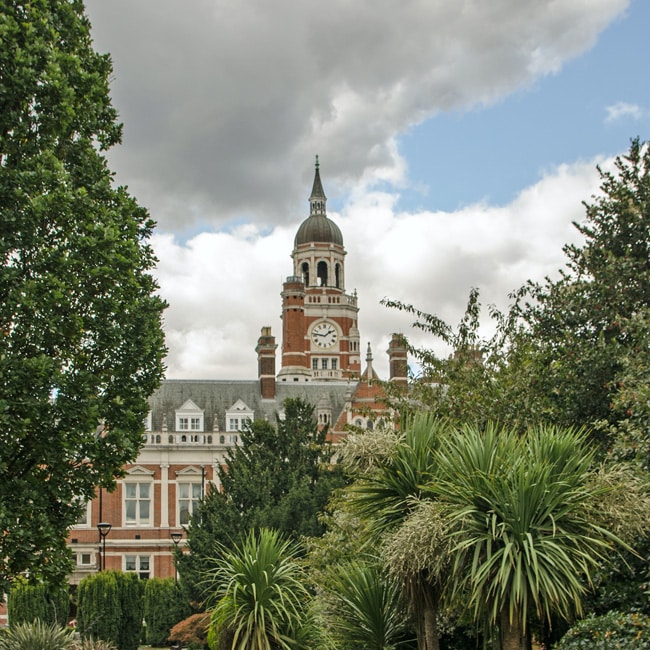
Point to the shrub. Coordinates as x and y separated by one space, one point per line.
608 632
37 636
111 607
192 632
28 603
162 602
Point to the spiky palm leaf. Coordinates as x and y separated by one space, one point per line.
261 595
525 538
37 636
366 608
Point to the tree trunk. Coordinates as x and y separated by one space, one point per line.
511 634
426 611
430 627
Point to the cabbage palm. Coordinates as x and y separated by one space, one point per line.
388 495
526 540
262 600
366 611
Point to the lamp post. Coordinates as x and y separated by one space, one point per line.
104 528
176 538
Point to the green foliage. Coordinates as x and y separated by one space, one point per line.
365 609
192 631
131 596
394 470
37 636
611 631
162 599
98 607
28 603
571 351
527 535
110 607
278 477
81 341
92 644
261 597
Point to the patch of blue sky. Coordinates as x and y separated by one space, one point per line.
591 107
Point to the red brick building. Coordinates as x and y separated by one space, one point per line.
192 424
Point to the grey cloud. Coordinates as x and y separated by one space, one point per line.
225 103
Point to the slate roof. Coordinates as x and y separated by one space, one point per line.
215 397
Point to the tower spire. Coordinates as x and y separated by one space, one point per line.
317 200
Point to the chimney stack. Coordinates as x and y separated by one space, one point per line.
397 360
265 349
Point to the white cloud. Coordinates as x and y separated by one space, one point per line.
622 110
222 288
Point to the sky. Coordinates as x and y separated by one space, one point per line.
456 140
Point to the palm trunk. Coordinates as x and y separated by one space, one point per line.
426 612
511 633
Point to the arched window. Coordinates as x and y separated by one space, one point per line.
370 426
322 274
337 276
170 439
305 273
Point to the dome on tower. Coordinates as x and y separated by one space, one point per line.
318 227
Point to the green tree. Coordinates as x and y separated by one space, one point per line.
260 595
164 606
391 495
581 329
365 609
572 351
278 477
27 603
81 342
532 519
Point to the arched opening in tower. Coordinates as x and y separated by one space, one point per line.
322 274
305 273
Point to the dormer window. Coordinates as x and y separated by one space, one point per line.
189 417
238 416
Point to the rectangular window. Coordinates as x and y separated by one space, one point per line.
183 424
314 363
195 424
189 495
137 504
324 364
334 364
139 564
84 559
233 424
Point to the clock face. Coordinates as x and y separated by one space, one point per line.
324 335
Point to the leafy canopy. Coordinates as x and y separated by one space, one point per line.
81 343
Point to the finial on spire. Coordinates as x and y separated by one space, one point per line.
317 165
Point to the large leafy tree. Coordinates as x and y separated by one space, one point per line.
278 477
571 350
81 343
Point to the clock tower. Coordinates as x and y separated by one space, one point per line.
320 339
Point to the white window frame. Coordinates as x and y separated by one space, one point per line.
237 416
137 559
138 477
192 497
189 417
